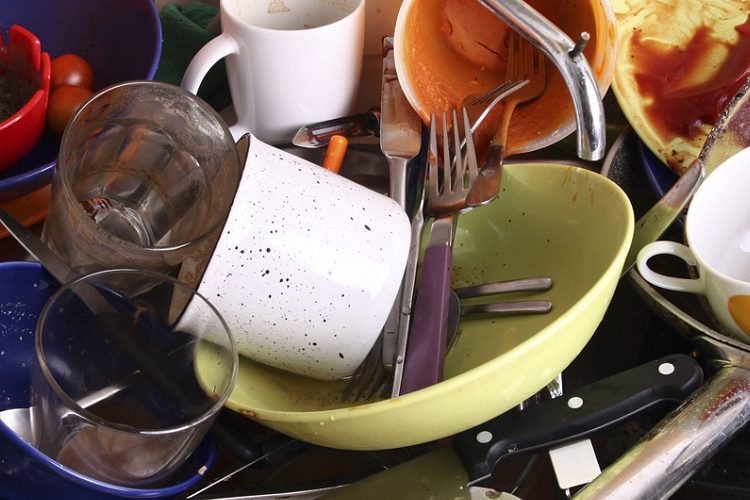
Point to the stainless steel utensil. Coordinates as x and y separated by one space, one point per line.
525 63
400 126
410 279
479 106
446 197
317 135
477 113
37 249
570 61
400 142
456 311
19 421
653 224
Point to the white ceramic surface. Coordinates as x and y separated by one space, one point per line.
289 63
717 231
307 266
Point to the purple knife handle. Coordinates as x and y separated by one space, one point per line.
425 348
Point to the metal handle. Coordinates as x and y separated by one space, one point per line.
571 63
509 286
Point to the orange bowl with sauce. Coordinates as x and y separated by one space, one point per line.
446 50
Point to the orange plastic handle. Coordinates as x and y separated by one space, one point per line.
335 153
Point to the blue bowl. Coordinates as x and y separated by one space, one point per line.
24 471
121 39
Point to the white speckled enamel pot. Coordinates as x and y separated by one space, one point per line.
307 266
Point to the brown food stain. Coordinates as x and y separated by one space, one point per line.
666 75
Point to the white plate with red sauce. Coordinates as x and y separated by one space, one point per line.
678 63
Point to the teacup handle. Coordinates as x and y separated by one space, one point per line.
692 285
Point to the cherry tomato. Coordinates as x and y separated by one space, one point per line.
63 103
71 69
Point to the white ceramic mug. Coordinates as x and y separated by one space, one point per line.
289 62
307 266
717 232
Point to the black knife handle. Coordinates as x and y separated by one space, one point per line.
595 407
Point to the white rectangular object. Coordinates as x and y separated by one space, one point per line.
575 464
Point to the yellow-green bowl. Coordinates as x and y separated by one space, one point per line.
550 220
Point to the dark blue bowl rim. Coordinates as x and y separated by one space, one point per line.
40 176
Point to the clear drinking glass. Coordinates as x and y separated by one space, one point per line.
114 390
145 177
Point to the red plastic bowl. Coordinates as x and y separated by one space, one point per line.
21 131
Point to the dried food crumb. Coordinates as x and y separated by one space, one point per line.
14 93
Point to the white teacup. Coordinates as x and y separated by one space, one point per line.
717 232
289 63
307 266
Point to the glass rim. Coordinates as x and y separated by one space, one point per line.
69 194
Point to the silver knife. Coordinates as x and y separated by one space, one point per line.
400 126
728 135
452 471
659 217
400 141
37 249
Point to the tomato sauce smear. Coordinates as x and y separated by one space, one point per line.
677 107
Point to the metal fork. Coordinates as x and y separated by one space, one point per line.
446 197
525 62
479 106
371 381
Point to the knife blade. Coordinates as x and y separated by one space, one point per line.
728 135
37 249
400 142
400 126
317 135
472 455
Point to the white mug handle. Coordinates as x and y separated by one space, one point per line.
211 53
693 285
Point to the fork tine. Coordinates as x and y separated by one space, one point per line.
458 159
491 94
471 155
432 161
515 58
447 181
538 64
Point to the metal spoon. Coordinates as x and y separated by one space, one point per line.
507 308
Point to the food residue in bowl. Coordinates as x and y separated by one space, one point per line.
456 48
15 92
673 77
